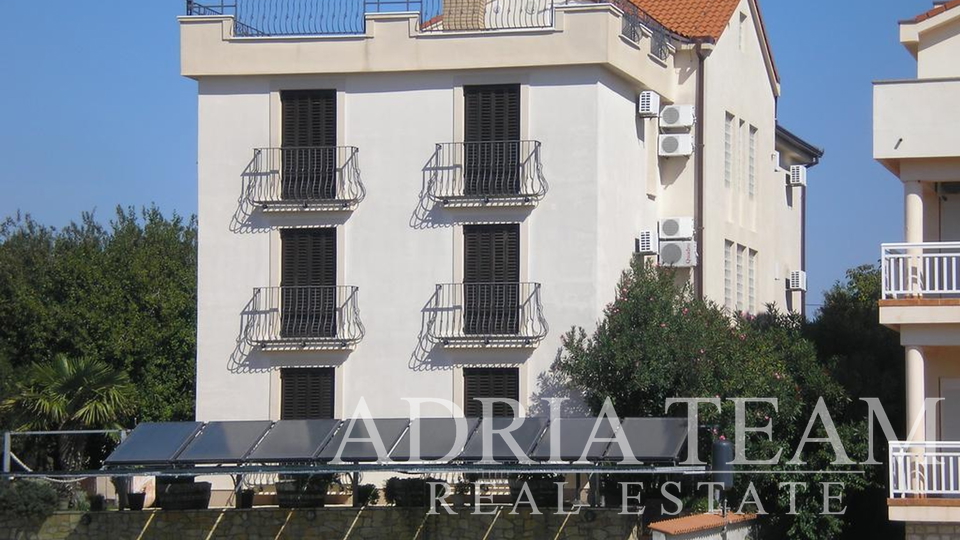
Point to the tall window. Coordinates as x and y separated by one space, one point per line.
752 281
308 279
491 279
742 31
728 151
752 163
309 140
306 393
728 274
490 383
740 277
491 136
741 158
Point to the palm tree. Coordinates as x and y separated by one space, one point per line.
70 394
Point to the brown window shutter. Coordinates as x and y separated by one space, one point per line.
309 140
307 393
308 279
491 275
490 383
492 139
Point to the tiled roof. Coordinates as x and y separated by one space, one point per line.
691 18
940 8
699 522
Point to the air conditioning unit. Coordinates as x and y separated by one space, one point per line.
647 243
678 228
797 281
678 144
677 116
776 162
681 254
798 176
648 105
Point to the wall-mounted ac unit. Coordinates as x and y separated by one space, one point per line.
677 144
681 254
797 281
677 116
798 176
676 228
776 162
647 243
648 105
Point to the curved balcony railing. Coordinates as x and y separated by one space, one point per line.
304 318
930 269
504 314
487 173
307 177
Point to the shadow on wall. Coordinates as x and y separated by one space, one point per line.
552 385
427 215
246 218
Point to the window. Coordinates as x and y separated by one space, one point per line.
490 383
728 151
752 281
491 136
308 144
752 163
306 393
741 170
742 31
740 277
491 279
728 274
308 279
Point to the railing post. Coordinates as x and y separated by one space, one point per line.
6 452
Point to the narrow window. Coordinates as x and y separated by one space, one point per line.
490 383
740 277
491 279
742 31
308 144
728 151
308 279
306 393
491 136
752 281
752 163
741 149
728 274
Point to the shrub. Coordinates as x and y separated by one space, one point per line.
27 498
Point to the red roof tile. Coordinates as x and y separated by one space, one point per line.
935 11
699 522
691 18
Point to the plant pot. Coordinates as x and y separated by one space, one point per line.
135 500
302 492
98 503
245 498
186 496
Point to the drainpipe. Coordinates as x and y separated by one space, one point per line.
702 53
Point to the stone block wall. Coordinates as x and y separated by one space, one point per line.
933 531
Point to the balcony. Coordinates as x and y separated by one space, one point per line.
494 173
487 314
915 276
303 318
267 18
305 178
915 119
924 480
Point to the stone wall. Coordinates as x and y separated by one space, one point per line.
324 523
933 531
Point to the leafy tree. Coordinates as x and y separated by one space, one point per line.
656 341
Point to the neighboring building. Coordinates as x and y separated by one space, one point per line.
419 205
916 138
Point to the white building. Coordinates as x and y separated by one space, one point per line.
916 138
420 204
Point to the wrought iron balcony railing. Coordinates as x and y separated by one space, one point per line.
497 314
263 18
925 269
318 177
636 21
303 318
493 172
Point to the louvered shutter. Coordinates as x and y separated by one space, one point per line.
492 139
306 393
308 279
490 383
491 276
309 141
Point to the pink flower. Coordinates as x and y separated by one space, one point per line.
723 438
685 311
743 337
663 325
702 351
777 376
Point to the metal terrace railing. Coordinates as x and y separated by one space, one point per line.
924 468
491 172
487 314
261 18
924 269
635 20
306 177
304 317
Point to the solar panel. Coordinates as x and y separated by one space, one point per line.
293 440
224 442
437 437
526 436
574 434
389 430
153 442
651 439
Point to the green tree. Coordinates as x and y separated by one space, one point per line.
656 341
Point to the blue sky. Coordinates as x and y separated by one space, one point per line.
94 113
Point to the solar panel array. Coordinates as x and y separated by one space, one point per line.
651 440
